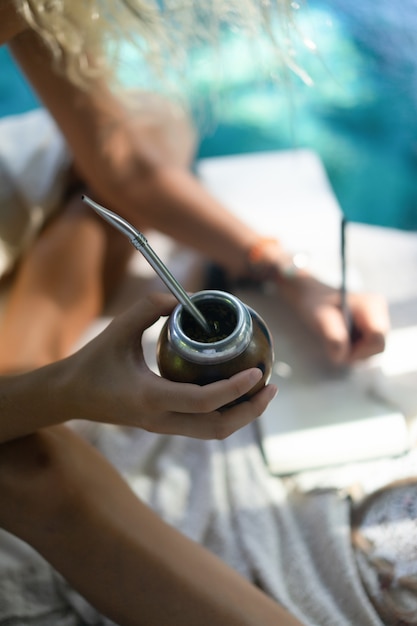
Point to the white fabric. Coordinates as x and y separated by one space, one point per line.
34 161
220 494
296 546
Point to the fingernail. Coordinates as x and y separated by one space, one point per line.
255 375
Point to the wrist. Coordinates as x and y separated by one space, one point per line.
268 261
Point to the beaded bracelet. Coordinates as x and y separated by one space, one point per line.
256 251
288 269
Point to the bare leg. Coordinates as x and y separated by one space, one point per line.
138 570
73 267
60 287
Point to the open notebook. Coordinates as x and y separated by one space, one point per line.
321 416
325 416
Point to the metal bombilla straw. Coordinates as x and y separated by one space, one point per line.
139 241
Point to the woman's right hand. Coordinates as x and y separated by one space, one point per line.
109 381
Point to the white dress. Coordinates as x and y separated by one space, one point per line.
34 163
297 547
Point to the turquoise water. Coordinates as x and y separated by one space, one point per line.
15 94
359 114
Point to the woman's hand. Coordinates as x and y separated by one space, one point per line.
109 381
319 307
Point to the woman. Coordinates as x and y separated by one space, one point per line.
130 565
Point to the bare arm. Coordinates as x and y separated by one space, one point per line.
109 381
126 171
129 175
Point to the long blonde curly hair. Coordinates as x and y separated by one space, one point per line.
84 35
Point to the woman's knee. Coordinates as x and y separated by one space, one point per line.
38 485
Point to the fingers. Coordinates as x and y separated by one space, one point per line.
146 312
217 424
332 328
371 317
194 411
166 395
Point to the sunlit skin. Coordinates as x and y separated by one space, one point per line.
129 167
79 525
75 500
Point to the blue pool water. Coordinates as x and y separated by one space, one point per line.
359 115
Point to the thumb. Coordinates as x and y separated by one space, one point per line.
145 312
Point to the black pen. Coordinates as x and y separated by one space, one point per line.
353 331
343 287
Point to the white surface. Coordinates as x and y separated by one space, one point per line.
322 417
285 193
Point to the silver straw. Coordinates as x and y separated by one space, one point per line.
139 241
